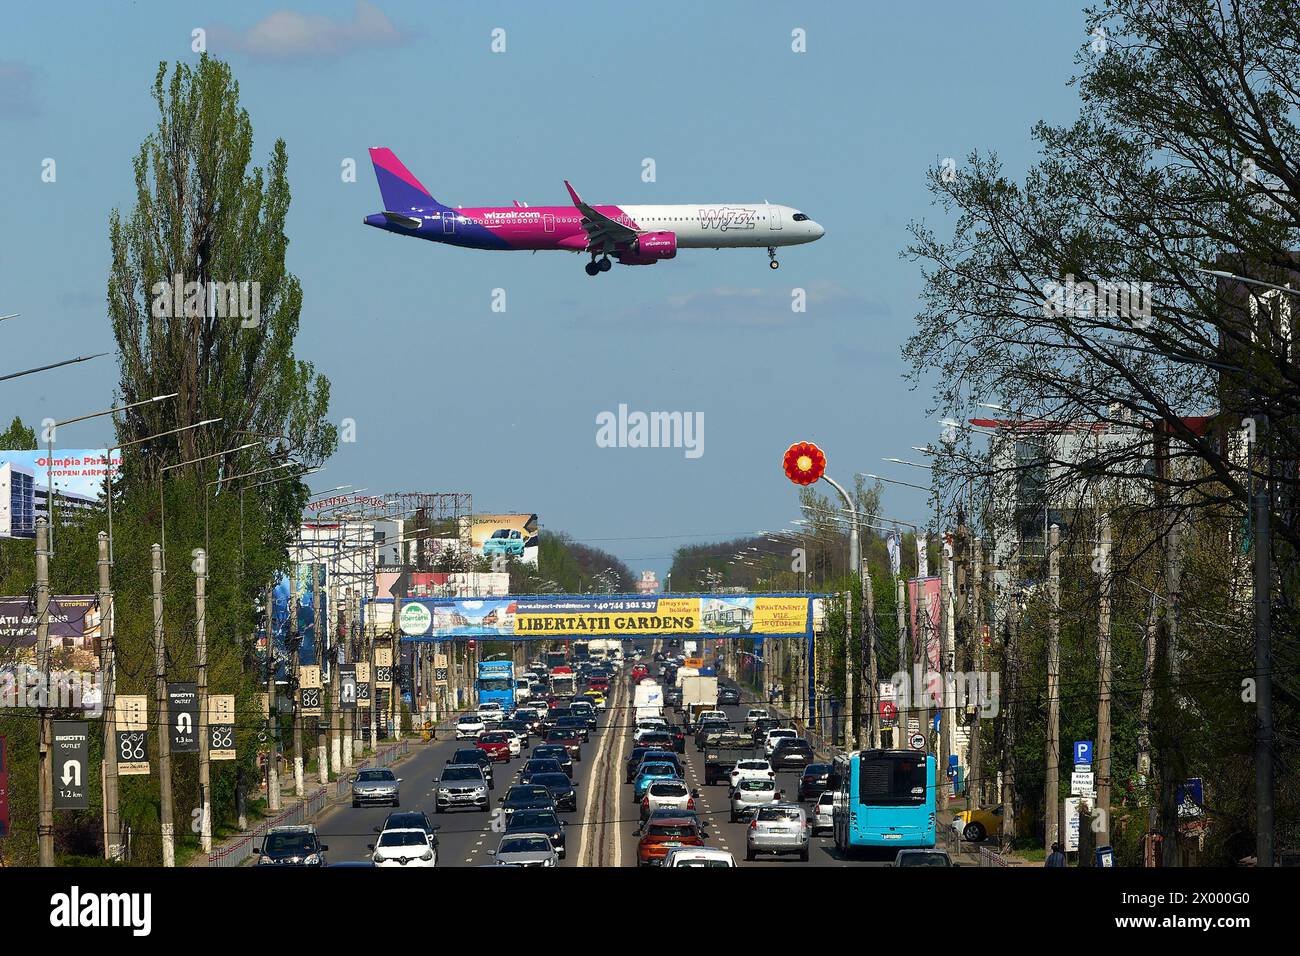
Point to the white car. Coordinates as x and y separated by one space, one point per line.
667 793
711 715
403 847
748 767
775 734
754 716
469 726
822 814
516 740
492 713
523 690
699 856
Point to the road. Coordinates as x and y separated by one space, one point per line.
599 832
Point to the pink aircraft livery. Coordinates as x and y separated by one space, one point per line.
633 235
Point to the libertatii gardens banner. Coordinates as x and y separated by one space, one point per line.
552 616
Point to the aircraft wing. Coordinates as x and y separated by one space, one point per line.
601 230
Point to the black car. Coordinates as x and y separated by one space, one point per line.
539 765
658 740
791 753
410 820
812 782
586 710
673 697
762 726
577 723
634 761
533 796
530 717
554 752
678 733
291 846
561 788
539 821
729 694
714 728
474 755
522 727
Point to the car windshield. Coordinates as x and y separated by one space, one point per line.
289 843
658 769
468 756
671 830
470 719
551 780
373 775
494 739
779 814
923 859
826 800
668 789
406 821
534 819
705 862
526 714
537 844
757 785
529 792
542 766
751 765
462 773
817 768
403 838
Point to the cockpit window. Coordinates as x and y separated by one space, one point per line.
800 217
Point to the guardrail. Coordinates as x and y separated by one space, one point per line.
235 853
990 857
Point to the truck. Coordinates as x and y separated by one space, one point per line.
581 651
648 700
495 683
564 683
606 649
554 659
721 754
699 693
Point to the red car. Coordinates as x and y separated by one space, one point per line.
667 833
599 683
639 671
496 746
568 738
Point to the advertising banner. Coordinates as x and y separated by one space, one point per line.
77 473
923 596
504 536
74 628
132 733
547 616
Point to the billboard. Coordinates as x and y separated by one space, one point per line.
546 616
77 473
505 536
74 628
923 596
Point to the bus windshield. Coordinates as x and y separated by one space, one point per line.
892 780
495 683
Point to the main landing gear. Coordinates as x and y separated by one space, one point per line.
771 254
598 265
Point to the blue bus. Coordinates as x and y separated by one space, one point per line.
883 798
496 684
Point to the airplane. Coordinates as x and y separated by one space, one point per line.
634 235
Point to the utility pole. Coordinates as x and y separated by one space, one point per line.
374 692
1102 807
167 814
322 635
336 697
45 782
975 610
904 659
112 816
961 581
1263 544
272 711
201 639
851 666
946 655
349 724
1010 665
1053 748
295 642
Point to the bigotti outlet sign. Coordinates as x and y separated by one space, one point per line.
415 619
585 615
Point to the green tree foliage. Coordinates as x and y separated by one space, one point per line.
18 437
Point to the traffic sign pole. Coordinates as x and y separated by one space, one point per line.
201 636
45 780
167 811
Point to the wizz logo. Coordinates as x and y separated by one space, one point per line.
725 217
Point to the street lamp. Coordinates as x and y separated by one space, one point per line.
49 451
162 506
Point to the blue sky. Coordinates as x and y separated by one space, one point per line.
448 395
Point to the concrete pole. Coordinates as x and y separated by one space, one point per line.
869 701
1051 803
1102 809
346 646
45 776
295 661
336 694
272 711
946 714
847 707
976 608
167 812
321 631
201 640
904 658
374 694
112 815
1009 714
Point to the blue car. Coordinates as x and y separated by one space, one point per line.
651 772
505 541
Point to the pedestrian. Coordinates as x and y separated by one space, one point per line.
1056 857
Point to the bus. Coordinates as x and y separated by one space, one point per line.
496 683
554 659
883 798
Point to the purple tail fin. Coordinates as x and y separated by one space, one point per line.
398 186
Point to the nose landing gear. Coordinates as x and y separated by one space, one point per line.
771 255
596 266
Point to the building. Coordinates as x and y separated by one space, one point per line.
649 583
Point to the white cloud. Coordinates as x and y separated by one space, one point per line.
290 35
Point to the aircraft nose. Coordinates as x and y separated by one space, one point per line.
818 230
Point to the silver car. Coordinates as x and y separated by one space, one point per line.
461 785
749 794
525 849
376 785
823 816
779 828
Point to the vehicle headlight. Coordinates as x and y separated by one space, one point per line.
312 860
376 858
426 856
551 862
265 861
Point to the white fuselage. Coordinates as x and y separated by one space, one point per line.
726 225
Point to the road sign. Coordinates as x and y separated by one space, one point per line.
132 734
440 675
383 674
1083 783
221 727
310 698
309 676
1083 753
888 713
1072 823
183 717
914 725
348 686
917 741
1191 798
384 657
71 756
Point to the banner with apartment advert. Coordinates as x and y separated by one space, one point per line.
546 616
74 629
78 475
505 536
